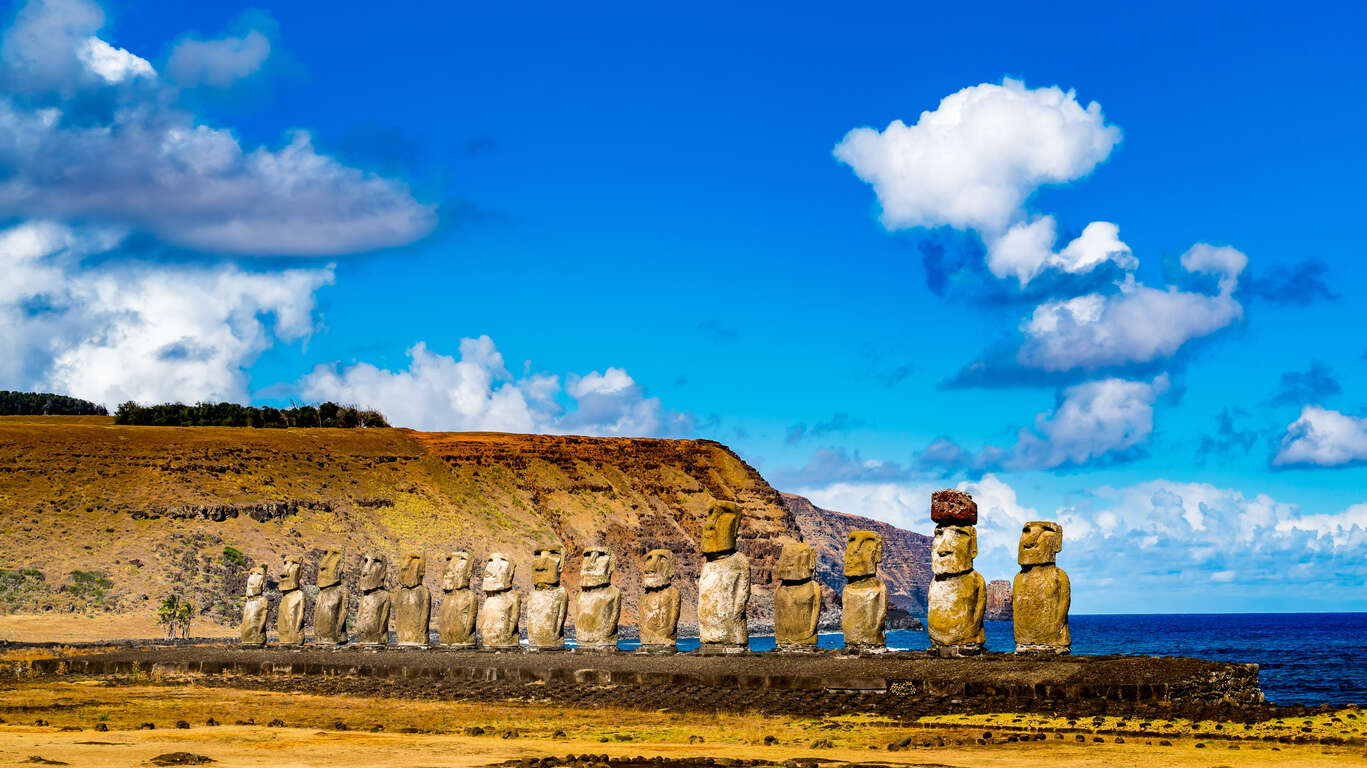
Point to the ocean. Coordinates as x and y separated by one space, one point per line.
1302 658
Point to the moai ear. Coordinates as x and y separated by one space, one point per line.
973 542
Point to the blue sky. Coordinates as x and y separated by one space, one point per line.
644 221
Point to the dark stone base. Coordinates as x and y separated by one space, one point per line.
596 648
499 649
657 650
1044 650
956 651
796 648
722 649
545 649
864 650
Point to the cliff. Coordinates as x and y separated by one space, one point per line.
906 555
98 518
998 601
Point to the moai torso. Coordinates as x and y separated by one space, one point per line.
290 613
502 609
329 613
1041 594
254 609
724 583
599 605
547 603
864 601
957 594
658 610
372 615
797 602
413 603
456 617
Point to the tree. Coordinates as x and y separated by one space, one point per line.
176 615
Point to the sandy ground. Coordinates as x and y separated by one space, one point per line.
308 731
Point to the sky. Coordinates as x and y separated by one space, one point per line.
1092 264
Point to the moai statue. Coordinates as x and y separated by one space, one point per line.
290 613
502 609
724 584
599 605
864 602
548 603
658 611
797 601
456 617
958 594
372 617
254 610
413 603
1041 595
329 613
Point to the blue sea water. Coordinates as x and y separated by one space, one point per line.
1303 658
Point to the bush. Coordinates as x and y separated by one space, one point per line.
234 415
233 556
89 586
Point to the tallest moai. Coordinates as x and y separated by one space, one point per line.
958 594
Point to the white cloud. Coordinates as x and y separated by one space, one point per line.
1095 419
476 392
973 161
114 65
151 333
1137 324
1027 249
218 63
147 165
1324 438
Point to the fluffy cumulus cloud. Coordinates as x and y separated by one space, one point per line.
476 392
1322 438
1136 323
1106 420
1125 548
974 161
89 132
218 63
128 331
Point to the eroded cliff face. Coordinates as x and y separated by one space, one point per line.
906 555
158 510
998 601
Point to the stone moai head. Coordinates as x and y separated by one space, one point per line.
498 573
796 562
330 568
597 568
659 569
953 549
256 581
863 553
289 573
373 572
414 569
547 562
1041 541
719 532
457 573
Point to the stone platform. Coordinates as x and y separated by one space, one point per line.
904 685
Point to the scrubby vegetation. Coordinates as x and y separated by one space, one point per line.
46 404
234 415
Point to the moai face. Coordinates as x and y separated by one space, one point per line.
547 563
863 553
719 532
953 549
457 574
289 574
414 570
373 572
330 568
597 568
796 562
1040 543
256 581
498 573
659 569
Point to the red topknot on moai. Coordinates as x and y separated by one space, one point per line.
951 507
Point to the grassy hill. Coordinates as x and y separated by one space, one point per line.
105 519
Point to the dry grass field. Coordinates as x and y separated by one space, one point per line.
249 728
